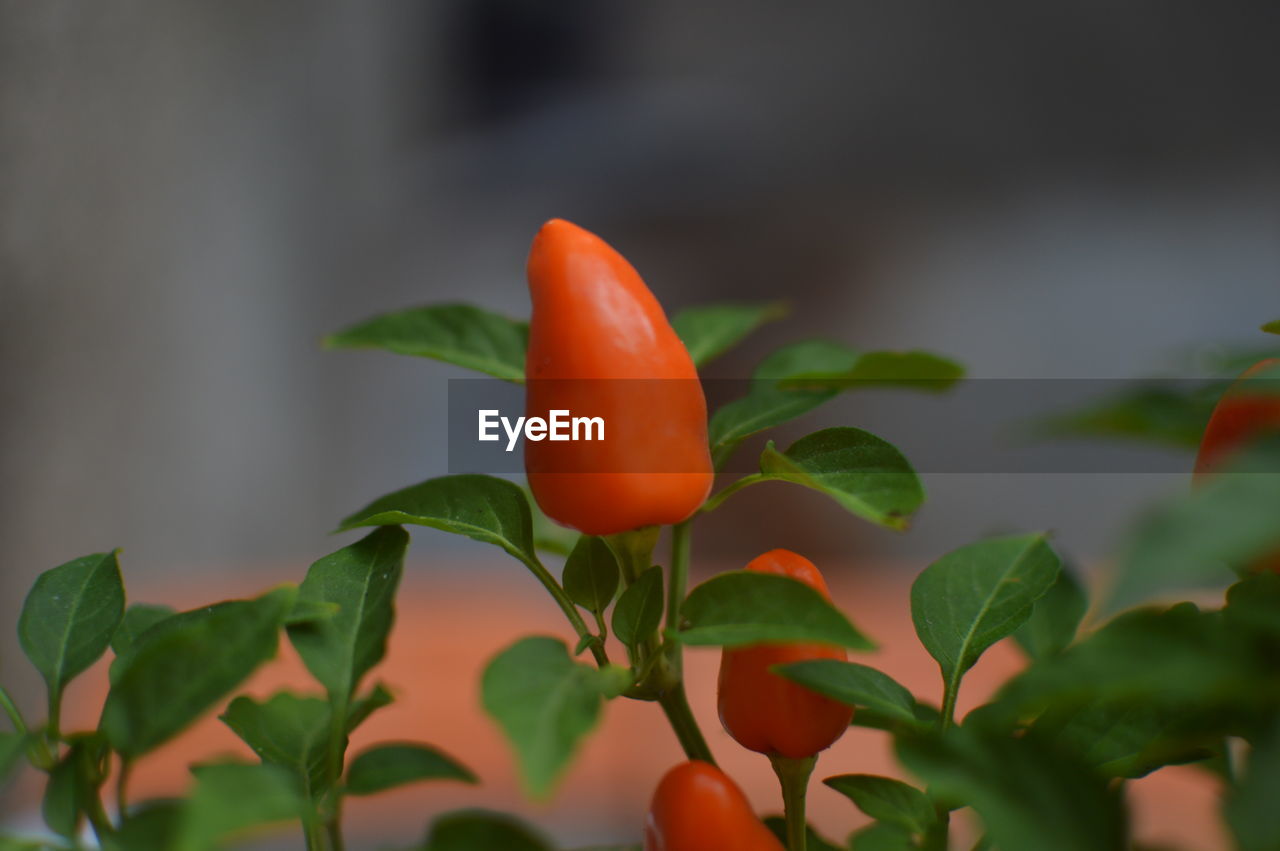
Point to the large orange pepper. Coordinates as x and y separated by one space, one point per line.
1244 414
696 807
601 346
765 712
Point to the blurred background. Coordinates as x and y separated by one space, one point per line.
192 193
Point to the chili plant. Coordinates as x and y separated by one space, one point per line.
1042 765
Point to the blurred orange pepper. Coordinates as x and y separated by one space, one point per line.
601 346
1241 417
765 712
696 807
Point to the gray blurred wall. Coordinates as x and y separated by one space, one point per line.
193 192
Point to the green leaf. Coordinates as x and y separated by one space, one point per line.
186 663
768 402
69 616
976 595
459 334
744 607
856 685
1054 619
378 697
1124 738
639 609
289 731
1192 541
865 475
914 370
802 376
881 837
591 574
12 748
1250 808
887 800
1253 607
138 618
711 330
64 797
1157 414
361 580
151 825
483 508
545 703
1193 663
1027 794
813 841
1272 327
481 830
389 765
232 798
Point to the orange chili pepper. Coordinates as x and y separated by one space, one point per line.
696 807
763 711
601 346
1242 415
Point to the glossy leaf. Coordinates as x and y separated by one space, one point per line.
232 798
1054 619
865 475
69 616
545 703
1250 808
744 607
639 609
481 830
483 508
1193 541
361 580
460 334
591 574
711 330
185 664
976 595
289 731
1027 795
856 685
389 765
886 800
138 618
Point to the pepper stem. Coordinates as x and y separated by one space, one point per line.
793 775
675 704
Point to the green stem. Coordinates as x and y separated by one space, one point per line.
98 818
680 548
675 703
793 775
11 709
337 750
950 691
566 605
713 502
313 832
938 836
122 787
55 714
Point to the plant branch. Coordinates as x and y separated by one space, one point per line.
793 775
675 704
570 610
11 709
